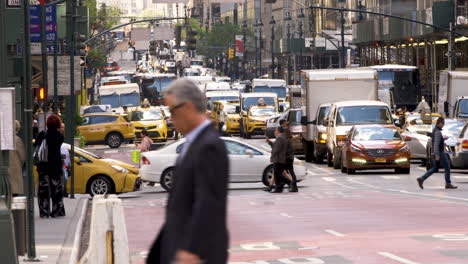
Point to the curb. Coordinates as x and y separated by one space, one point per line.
78 232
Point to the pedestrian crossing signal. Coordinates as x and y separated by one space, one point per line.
42 94
231 53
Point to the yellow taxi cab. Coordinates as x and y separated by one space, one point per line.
107 128
232 116
152 120
96 176
256 120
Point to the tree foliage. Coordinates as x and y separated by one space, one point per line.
102 17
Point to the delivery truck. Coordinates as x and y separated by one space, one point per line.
453 94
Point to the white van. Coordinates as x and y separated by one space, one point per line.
343 116
120 95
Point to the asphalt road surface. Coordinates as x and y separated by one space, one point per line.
373 217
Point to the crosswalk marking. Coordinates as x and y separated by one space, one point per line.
391 177
328 179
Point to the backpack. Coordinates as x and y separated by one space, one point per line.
41 152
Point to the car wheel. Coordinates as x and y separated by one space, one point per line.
267 175
167 179
336 158
99 185
402 170
114 140
329 159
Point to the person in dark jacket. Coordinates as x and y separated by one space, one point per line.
50 179
278 158
438 156
289 156
195 228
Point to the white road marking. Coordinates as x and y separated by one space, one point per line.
391 177
111 151
286 215
460 177
328 179
305 248
396 258
322 169
435 195
311 173
344 186
423 169
333 232
252 203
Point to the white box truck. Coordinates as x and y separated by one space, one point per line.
453 94
320 88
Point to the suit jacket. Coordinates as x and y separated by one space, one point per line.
279 150
196 207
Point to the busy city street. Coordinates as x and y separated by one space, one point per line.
370 217
234 132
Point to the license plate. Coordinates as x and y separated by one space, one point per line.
380 160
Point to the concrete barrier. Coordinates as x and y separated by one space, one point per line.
108 241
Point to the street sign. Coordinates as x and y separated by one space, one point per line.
7 118
14 3
309 42
320 42
454 53
63 75
239 45
36 48
35 23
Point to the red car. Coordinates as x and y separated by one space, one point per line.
369 147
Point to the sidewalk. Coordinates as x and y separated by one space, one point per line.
55 237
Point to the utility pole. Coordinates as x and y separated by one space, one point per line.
44 51
288 35
27 121
273 66
70 126
343 48
244 57
452 57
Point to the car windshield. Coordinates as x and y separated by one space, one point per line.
279 90
131 99
453 128
420 128
262 111
112 100
295 118
84 152
250 101
166 111
463 108
230 109
376 133
196 63
213 99
323 112
350 115
158 84
146 115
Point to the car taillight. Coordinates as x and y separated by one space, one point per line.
145 161
465 144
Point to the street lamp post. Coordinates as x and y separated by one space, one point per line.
260 45
288 36
273 67
244 57
301 35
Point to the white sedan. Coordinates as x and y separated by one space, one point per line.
247 163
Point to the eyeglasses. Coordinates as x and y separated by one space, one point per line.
172 110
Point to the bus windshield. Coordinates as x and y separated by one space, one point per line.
131 99
112 100
249 101
279 90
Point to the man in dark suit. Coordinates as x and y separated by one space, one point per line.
195 229
278 157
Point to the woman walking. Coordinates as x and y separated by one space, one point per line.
50 179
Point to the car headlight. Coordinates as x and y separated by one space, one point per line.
160 125
355 149
119 168
404 149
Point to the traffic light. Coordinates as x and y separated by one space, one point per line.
231 53
152 47
42 94
80 46
191 40
178 35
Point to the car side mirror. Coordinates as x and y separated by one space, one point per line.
77 160
281 109
397 123
429 134
303 120
237 109
250 153
446 107
314 122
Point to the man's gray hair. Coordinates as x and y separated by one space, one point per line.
187 91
